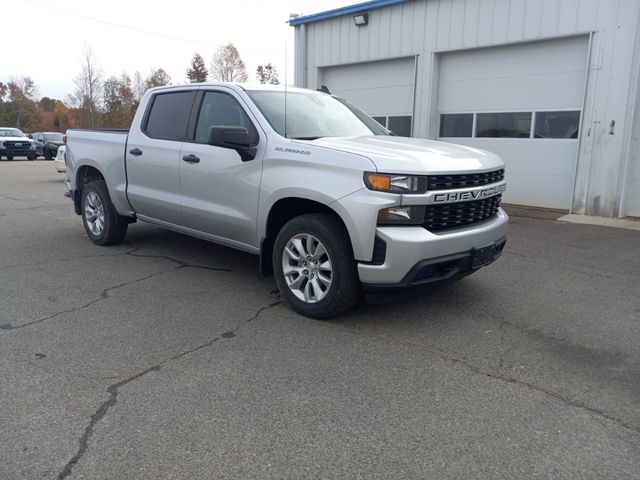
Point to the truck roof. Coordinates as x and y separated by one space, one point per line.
243 86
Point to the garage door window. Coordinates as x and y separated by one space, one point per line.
456 125
398 124
557 124
562 124
512 125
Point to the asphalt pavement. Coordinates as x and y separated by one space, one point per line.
170 357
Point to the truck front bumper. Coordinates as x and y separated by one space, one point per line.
415 257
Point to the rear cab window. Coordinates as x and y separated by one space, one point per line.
168 115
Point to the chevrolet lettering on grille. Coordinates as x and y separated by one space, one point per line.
450 197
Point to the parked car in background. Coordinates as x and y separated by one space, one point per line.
14 143
47 143
59 162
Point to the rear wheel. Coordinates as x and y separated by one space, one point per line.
314 267
101 221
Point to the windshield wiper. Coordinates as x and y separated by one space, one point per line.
304 138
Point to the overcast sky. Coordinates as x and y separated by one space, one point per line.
47 36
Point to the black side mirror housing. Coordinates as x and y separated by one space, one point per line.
236 138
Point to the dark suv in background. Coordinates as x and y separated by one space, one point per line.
47 143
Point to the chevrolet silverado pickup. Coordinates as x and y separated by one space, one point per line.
334 204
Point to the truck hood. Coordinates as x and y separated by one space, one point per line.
16 139
414 155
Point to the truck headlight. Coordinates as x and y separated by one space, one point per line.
384 182
413 215
32 146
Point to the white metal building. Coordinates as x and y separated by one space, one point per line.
552 86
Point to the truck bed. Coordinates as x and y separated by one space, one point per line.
105 150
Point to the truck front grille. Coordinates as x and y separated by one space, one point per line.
448 182
15 147
453 215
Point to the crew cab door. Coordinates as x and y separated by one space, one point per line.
153 156
220 191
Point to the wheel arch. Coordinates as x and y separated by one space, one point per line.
279 214
84 175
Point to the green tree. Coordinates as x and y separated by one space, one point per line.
47 104
227 66
267 74
197 72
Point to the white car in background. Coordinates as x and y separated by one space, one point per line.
59 162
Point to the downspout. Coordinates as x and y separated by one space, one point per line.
581 125
632 115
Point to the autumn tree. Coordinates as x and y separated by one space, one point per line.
267 74
197 72
157 78
227 66
88 87
119 101
18 106
63 118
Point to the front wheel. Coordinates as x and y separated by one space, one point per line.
47 154
31 157
101 221
314 267
9 157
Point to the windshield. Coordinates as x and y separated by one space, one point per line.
311 115
53 137
11 132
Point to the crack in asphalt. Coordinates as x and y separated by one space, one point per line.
114 389
104 294
180 263
67 259
447 356
98 415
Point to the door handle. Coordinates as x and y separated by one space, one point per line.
136 152
191 158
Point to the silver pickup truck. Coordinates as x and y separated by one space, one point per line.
334 204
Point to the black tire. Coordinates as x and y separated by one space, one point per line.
114 225
9 157
31 157
47 154
344 290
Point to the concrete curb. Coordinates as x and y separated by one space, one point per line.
601 221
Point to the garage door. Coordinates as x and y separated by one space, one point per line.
382 89
524 103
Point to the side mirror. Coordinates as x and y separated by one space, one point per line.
235 138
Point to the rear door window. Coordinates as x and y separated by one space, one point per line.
169 115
